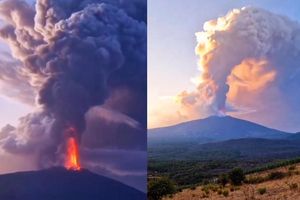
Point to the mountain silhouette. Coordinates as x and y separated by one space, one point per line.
213 129
61 184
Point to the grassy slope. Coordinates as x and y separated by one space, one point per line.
287 188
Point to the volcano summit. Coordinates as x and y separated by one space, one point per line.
62 184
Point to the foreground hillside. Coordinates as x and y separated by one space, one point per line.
276 184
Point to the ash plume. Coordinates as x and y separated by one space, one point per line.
249 59
74 56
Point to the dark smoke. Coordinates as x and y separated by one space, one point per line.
76 55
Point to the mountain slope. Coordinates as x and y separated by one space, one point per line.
239 149
61 184
213 129
295 136
255 148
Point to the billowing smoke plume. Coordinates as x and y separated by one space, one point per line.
74 55
249 59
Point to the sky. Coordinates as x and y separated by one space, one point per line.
11 109
172 62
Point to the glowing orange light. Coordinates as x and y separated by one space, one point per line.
72 159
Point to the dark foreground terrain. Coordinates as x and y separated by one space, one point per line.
62 184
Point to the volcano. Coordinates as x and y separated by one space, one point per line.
213 129
62 184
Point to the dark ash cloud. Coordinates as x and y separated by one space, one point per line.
74 56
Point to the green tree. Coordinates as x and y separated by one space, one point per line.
237 176
158 188
223 179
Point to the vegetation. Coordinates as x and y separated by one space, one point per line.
186 173
292 167
210 187
223 179
255 179
276 175
236 176
158 188
273 165
293 186
194 172
193 187
225 193
262 190
216 177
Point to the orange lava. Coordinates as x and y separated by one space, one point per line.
72 158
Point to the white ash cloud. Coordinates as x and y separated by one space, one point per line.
249 60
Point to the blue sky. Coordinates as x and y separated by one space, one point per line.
171 40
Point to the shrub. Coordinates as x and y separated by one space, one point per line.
206 191
214 188
275 175
225 193
255 179
193 187
293 167
237 176
160 187
262 190
210 187
205 182
293 186
223 179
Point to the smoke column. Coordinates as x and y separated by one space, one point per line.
73 55
248 56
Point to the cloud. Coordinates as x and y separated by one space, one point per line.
13 83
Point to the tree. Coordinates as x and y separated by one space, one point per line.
237 176
223 179
160 187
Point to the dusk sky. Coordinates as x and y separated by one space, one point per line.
172 62
12 109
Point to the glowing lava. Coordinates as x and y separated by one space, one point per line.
72 157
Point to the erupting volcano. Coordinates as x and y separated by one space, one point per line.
222 113
72 153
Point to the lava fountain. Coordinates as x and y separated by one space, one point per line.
72 153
